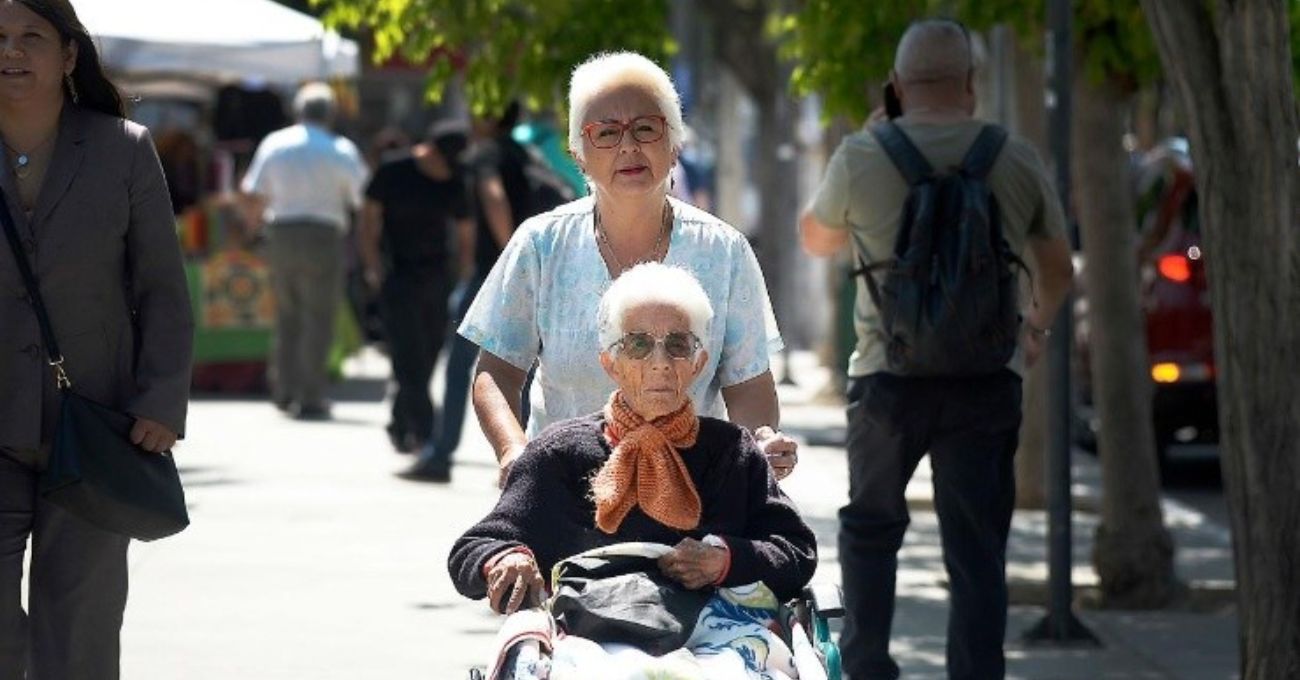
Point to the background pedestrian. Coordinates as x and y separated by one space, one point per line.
417 241
305 182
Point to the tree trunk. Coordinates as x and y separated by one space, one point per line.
1230 65
1133 553
765 77
842 289
1030 115
777 179
1031 91
1031 455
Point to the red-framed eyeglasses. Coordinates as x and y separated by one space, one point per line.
607 134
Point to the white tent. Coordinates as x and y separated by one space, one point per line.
216 40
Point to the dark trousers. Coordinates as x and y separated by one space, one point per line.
460 366
413 304
306 267
970 428
76 591
438 453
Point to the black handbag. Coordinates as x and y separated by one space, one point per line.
625 598
94 471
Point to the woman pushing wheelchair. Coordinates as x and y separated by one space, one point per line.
646 469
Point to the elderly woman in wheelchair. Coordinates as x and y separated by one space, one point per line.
717 545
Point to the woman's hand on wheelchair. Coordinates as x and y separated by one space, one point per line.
514 582
694 564
781 450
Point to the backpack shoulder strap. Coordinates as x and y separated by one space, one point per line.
984 151
867 272
904 154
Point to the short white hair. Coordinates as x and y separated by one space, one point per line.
607 71
934 50
314 102
653 283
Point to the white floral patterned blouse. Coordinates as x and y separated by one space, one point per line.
539 304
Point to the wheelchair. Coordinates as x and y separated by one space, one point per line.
809 615
814 611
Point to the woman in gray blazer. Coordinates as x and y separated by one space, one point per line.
87 195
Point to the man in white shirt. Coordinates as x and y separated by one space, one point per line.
307 182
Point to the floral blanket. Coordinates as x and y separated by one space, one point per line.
735 638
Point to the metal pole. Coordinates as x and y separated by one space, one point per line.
1060 625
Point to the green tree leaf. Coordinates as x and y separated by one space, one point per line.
505 49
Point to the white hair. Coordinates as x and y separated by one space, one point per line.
650 284
314 102
610 70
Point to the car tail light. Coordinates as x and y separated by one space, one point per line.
1165 373
1176 268
1169 372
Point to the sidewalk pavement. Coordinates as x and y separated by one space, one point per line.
308 558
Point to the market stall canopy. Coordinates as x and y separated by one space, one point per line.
216 40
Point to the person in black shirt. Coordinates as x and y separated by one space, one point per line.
501 195
502 201
417 241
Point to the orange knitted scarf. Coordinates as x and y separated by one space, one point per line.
646 468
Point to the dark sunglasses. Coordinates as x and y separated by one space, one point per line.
639 346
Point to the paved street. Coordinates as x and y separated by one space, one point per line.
307 558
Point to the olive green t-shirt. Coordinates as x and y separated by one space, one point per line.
864 193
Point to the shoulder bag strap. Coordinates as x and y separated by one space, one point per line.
34 294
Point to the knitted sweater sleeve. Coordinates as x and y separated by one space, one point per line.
519 515
777 547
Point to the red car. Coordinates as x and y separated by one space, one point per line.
1176 303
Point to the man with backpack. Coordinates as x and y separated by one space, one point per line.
938 208
508 185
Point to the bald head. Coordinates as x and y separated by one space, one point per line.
933 51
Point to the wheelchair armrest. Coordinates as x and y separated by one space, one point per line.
827 600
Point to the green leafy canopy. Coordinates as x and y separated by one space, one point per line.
505 49
841 49
844 48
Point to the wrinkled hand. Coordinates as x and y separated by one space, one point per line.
152 435
514 581
782 452
506 461
1032 344
694 564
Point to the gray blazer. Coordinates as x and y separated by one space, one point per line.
102 243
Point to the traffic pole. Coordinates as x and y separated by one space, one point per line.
1060 626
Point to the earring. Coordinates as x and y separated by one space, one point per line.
72 87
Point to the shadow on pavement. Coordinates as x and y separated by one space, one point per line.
359 389
435 606
347 390
1198 473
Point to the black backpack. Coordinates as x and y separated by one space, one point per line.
947 298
